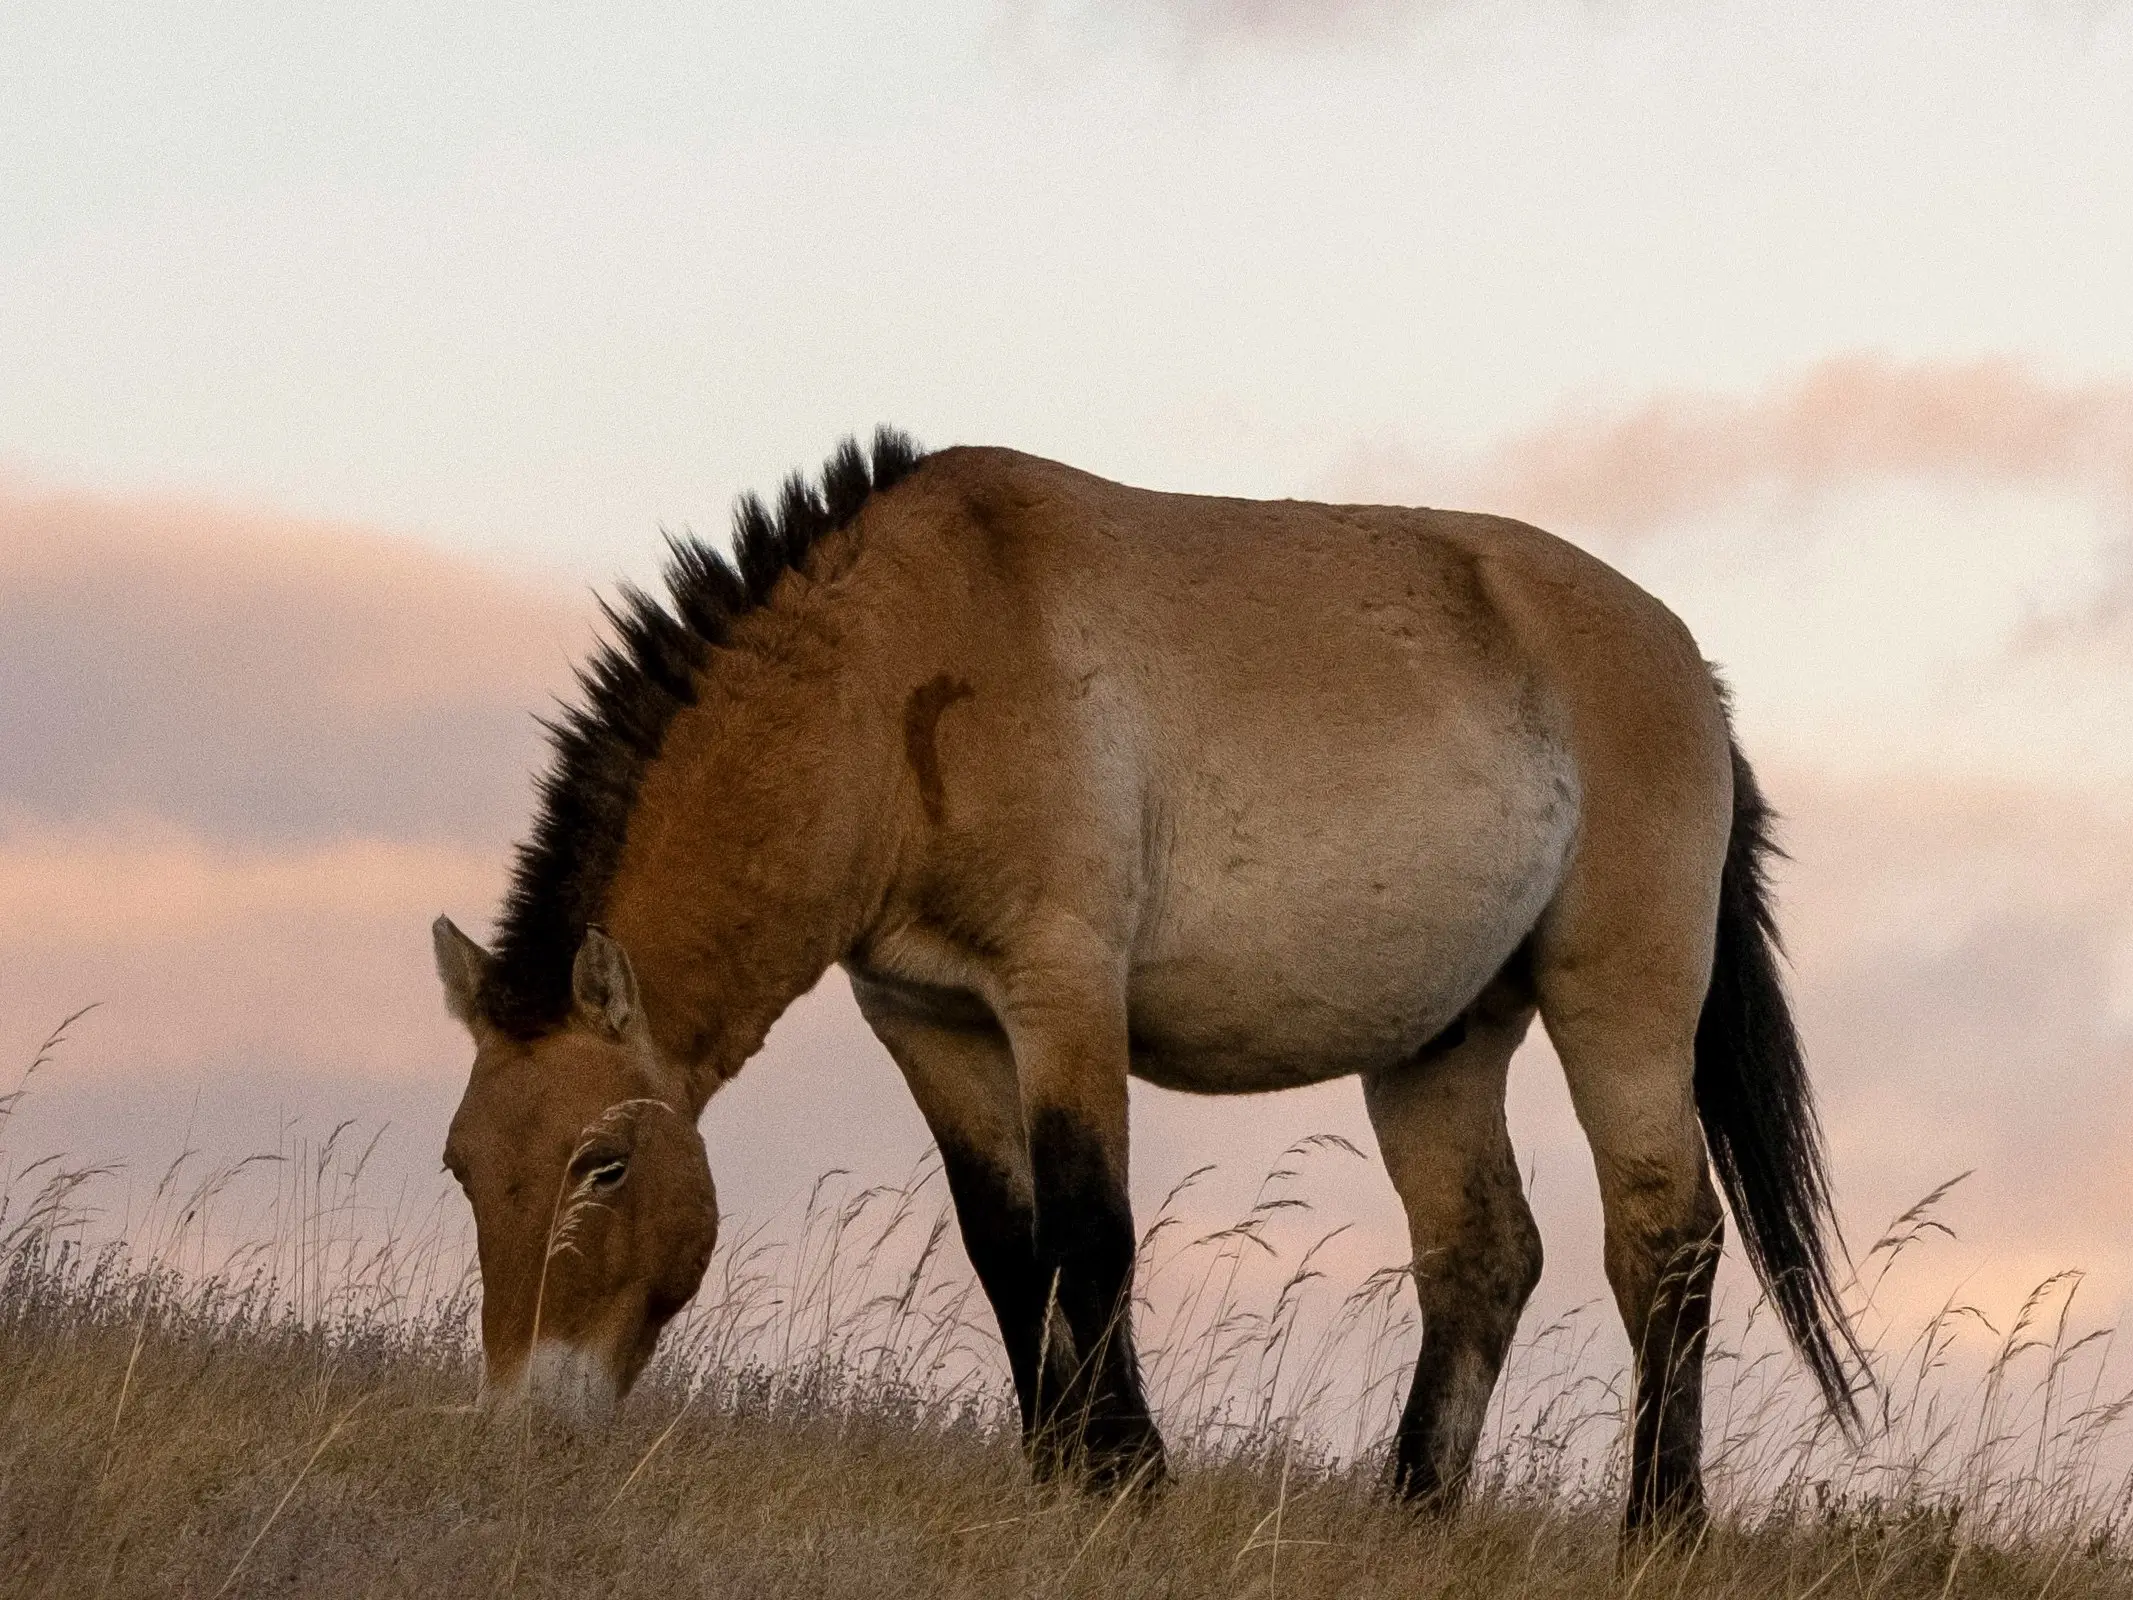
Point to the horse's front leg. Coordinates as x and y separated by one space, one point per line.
1067 1025
963 1078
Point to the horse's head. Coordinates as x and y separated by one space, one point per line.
594 1214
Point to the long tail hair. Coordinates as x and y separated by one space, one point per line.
1758 1114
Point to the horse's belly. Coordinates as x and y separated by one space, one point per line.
1336 946
1242 1020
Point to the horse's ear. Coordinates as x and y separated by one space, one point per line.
462 965
603 985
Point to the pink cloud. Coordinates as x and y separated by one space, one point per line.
204 957
1963 955
247 759
1628 472
262 678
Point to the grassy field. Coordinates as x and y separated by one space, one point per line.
290 1415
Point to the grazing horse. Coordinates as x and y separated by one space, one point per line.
1079 781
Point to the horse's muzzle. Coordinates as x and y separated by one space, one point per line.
570 1383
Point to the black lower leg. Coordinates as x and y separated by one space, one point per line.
1454 1373
1085 1248
1666 1440
1471 1306
999 1227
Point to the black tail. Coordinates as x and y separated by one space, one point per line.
1758 1112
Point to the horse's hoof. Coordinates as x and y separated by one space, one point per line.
1678 1524
1139 1476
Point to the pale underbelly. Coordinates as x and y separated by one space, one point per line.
1200 1072
1340 957
1226 1024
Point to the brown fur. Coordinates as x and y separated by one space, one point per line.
1235 796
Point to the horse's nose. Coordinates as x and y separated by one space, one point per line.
568 1382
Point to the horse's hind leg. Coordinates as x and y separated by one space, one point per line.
1621 995
1477 1255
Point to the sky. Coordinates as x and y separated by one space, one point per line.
345 357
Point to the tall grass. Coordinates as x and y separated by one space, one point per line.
188 1409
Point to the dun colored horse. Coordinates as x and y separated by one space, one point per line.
1079 781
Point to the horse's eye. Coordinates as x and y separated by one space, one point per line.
604 1174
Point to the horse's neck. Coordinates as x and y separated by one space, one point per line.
752 855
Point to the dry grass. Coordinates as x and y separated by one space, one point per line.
829 1420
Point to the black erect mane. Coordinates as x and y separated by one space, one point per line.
634 686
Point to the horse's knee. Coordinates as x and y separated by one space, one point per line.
1521 1258
1664 1230
1489 1263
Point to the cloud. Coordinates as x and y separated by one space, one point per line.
1667 460
1302 24
257 678
1286 21
311 957
1194 29
244 759
1964 967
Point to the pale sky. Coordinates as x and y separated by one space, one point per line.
341 354
538 278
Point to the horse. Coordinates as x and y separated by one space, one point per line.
1079 781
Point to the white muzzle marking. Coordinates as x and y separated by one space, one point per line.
568 1381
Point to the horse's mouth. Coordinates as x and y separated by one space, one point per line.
569 1383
